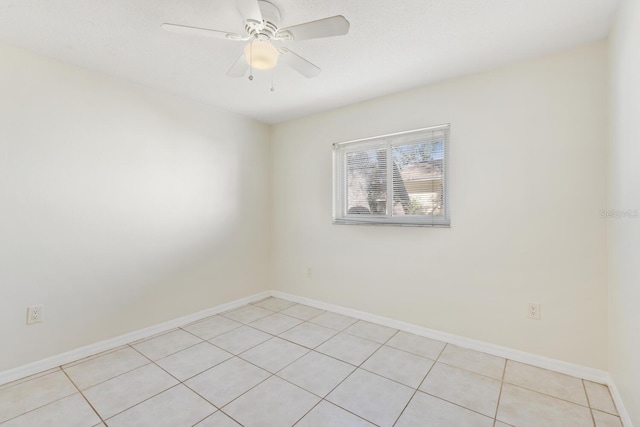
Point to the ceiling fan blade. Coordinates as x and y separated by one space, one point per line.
327 27
239 68
195 31
250 11
298 63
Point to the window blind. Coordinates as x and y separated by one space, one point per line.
397 179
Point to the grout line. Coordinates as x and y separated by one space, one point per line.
142 401
170 354
158 335
355 370
284 367
229 415
307 413
421 382
279 333
201 420
313 324
304 320
584 382
245 392
253 346
546 394
221 333
30 378
35 409
584 387
93 357
339 407
504 372
83 396
456 404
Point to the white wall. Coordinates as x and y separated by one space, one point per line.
528 161
119 207
624 192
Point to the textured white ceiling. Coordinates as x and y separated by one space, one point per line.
392 45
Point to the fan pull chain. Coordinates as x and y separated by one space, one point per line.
272 74
251 61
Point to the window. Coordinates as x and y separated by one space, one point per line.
397 179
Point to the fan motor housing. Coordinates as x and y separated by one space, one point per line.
270 21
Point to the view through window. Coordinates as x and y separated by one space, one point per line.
393 179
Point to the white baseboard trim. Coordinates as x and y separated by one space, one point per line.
617 399
111 343
563 367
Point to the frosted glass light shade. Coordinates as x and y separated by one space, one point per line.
261 55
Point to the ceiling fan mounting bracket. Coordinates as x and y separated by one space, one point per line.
270 21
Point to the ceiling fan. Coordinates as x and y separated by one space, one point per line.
262 27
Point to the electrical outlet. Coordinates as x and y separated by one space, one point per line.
35 314
533 311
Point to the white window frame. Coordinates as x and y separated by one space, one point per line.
340 151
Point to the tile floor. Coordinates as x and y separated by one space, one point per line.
276 363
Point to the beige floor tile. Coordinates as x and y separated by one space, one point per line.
274 304
600 398
104 367
219 419
71 411
122 392
326 414
274 354
398 365
464 388
274 402
545 381
425 410
21 397
308 334
316 373
334 321
226 381
276 323
240 340
371 331
422 346
371 397
247 314
475 361
211 327
348 348
193 360
164 345
303 312
524 408
606 420
177 406
501 424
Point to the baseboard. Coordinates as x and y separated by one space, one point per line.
99 347
563 367
617 399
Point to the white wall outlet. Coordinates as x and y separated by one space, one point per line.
35 314
309 273
533 311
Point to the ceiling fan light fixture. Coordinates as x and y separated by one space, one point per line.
261 55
